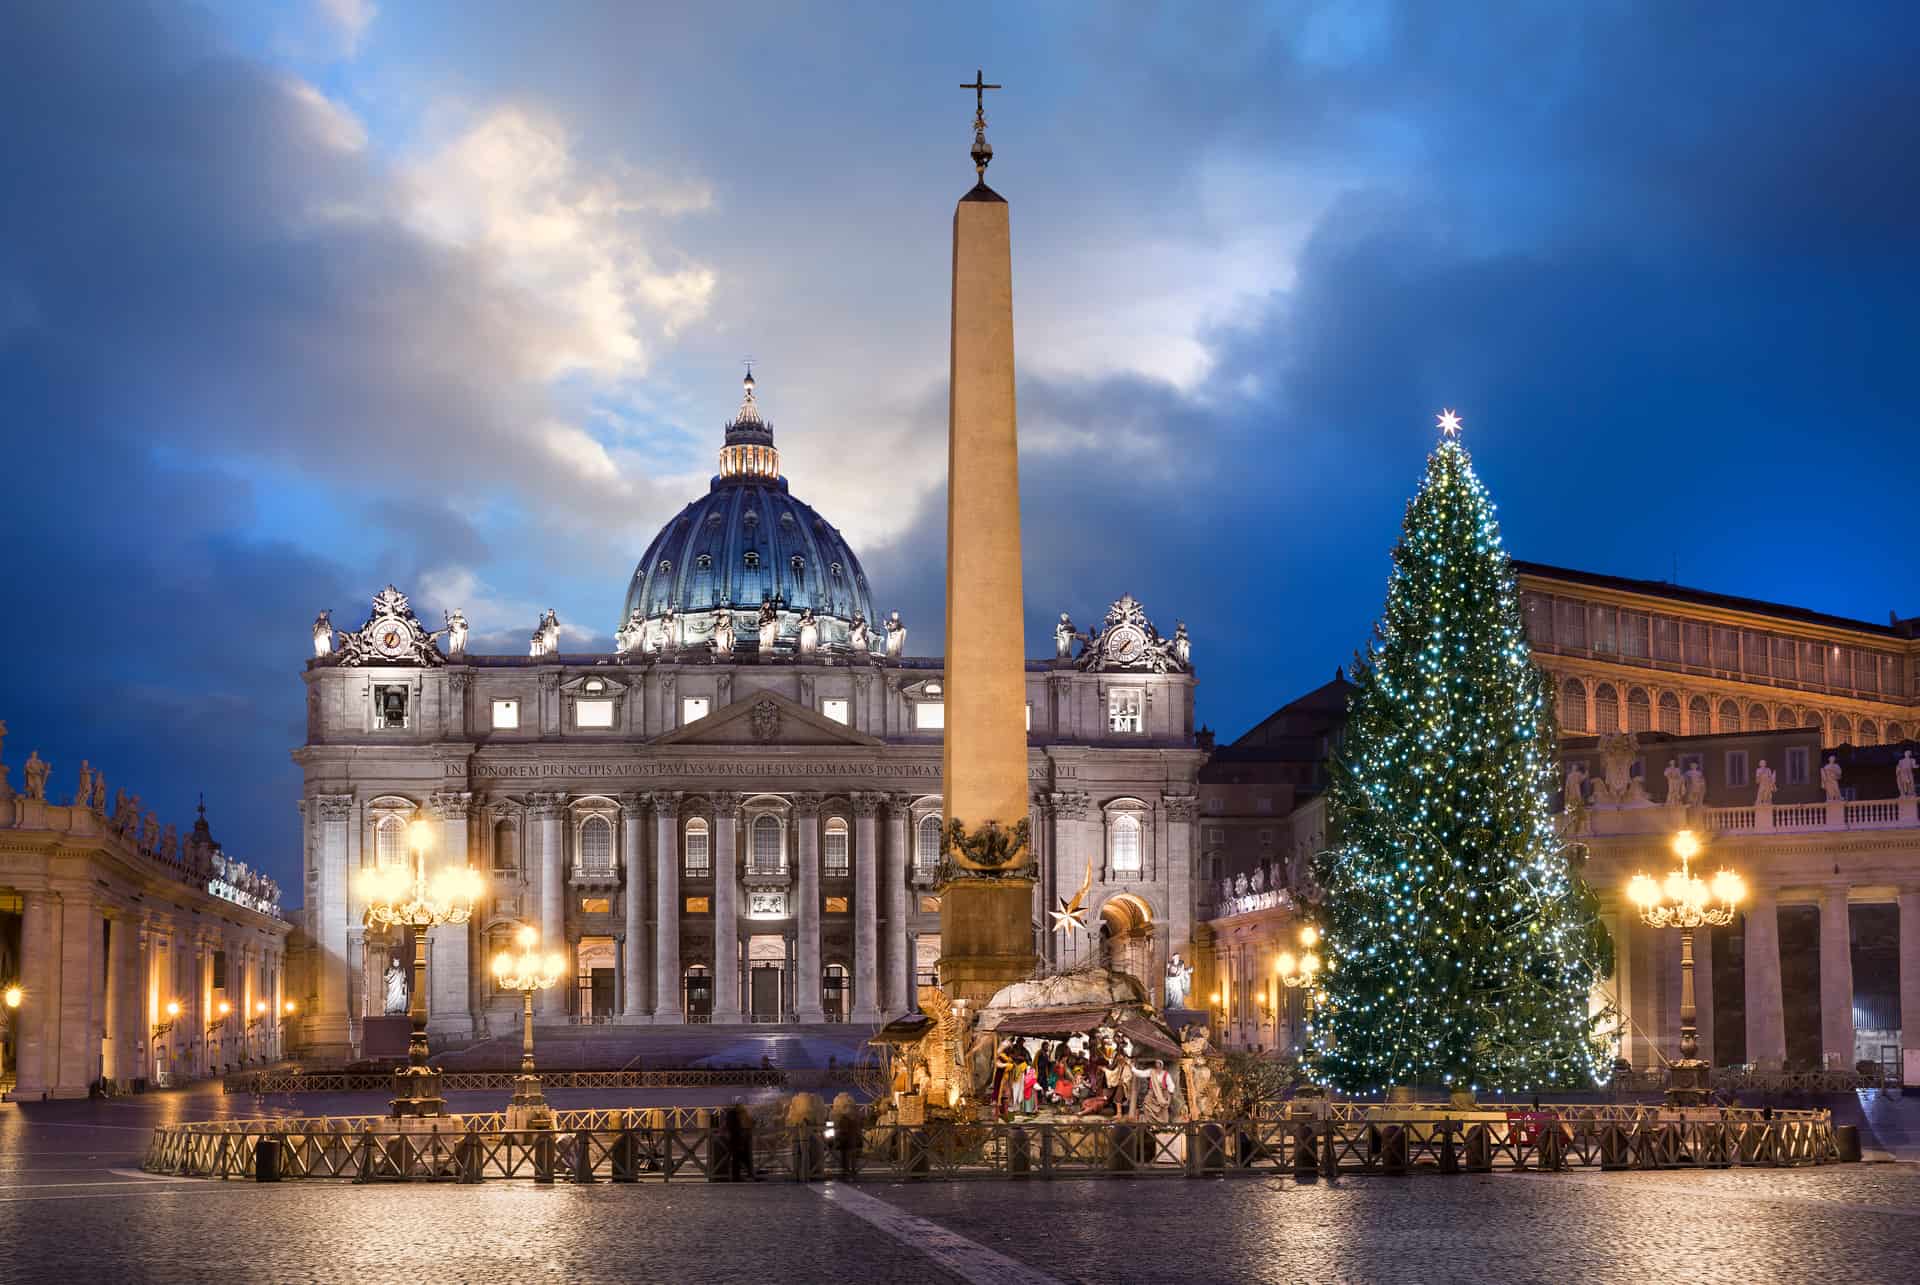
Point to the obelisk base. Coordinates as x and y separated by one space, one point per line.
986 937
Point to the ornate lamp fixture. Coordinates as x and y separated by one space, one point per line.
221 1012
1686 901
405 897
527 972
1298 972
161 1028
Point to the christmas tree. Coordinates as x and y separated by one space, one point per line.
1461 944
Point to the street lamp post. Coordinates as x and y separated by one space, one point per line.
1297 972
527 972
1686 901
407 898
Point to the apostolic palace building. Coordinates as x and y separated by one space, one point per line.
735 815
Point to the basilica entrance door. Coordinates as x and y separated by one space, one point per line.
766 994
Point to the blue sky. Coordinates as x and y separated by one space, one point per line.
298 300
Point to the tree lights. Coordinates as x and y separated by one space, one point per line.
1461 948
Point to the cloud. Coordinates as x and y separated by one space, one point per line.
348 20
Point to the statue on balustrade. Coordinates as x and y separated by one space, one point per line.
85 790
550 634
1830 779
896 636
1696 786
859 637
723 633
1063 637
150 833
1676 787
36 770
456 632
670 629
1903 775
1576 785
323 634
170 844
809 632
768 623
100 792
1182 646
1763 781
626 639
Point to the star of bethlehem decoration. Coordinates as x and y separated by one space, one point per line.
1071 914
1449 425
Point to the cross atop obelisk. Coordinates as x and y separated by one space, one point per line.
982 149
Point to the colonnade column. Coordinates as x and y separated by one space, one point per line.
899 990
1836 978
866 893
638 997
1910 986
667 1006
329 1028
37 1022
544 809
726 909
79 1021
807 993
449 968
120 970
1766 1012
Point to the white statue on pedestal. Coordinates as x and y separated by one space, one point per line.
859 637
456 632
1830 779
396 986
323 634
1696 786
550 633
809 633
896 635
1063 641
1903 775
1676 787
1179 981
1182 645
1763 780
36 770
1576 785
769 627
670 630
723 633
627 638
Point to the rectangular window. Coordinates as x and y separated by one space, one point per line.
699 906
929 905
1029 716
1753 652
1123 709
693 709
836 905
1266 838
1814 663
219 970
596 905
1736 767
837 710
1216 834
506 715
1666 638
698 864
929 716
1866 671
1783 650
1603 630
593 713
834 853
1538 612
390 705
1796 765
1570 623
1696 641
1216 806
1264 805
1726 648
1634 626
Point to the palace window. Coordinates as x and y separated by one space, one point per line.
1125 855
1606 709
1813 663
1696 638
834 851
1602 632
1573 706
506 716
926 846
1783 653
1784 720
1737 767
1840 731
929 716
1796 765
390 841
506 848
767 850
1757 720
1570 623
1123 709
1666 638
596 846
1729 716
1699 717
1896 733
699 862
1633 634
1753 652
1869 732
693 709
1670 713
1726 648
1639 711
835 709
390 705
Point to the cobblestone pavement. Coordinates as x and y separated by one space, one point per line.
73 1207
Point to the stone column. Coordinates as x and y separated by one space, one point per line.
726 908
637 1002
667 1006
1910 987
899 988
807 922
1836 978
37 1022
120 974
449 947
1766 1012
327 1026
866 909
81 965
1183 814
545 811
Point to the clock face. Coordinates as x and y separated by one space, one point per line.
391 640
1125 643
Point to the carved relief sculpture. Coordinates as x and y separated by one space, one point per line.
393 635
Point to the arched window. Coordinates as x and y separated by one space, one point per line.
1869 732
1125 856
1670 713
699 859
1896 733
926 847
1699 717
1729 717
1757 718
596 846
1606 709
390 841
766 845
1812 719
833 851
1639 711
1840 731
1783 719
1573 706
506 847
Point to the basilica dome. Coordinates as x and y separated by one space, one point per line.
746 542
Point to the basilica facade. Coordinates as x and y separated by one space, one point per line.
735 815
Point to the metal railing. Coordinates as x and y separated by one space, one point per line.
662 1144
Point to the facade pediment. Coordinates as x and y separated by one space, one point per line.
766 718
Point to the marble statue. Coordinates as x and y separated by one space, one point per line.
1903 775
1182 645
1676 788
1763 782
896 635
36 772
99 791
323 634
456 632
1063 637
170 843
1576 785
1619 755
723 634
1258 880
85 791
1179 981
550 634
396 985
119 809
809 633
1696 786
537 645
150 833
1830 779
670 629
859 639
768 623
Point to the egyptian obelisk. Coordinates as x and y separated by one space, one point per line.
986 893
